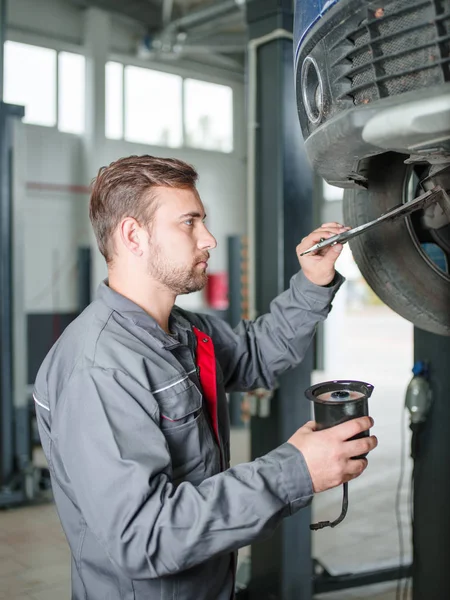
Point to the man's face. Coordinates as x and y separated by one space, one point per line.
179 241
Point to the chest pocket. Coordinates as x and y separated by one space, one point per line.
183 424
179 403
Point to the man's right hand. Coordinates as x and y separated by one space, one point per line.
328 454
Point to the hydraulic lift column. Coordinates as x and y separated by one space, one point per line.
14 419
281 568
431 527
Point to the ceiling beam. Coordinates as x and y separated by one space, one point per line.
167 10
142 11
205 15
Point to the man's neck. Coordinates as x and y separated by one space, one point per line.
150 295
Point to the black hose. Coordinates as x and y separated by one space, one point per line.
322 524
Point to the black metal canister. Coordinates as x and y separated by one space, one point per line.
338 401
334 403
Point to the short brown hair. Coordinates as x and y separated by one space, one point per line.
121 190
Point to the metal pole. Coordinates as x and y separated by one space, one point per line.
431 523
23 456
7 114
167 9
14 420
6 344
281 568
3 17
204 15
234 312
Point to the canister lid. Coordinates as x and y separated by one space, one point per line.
339 391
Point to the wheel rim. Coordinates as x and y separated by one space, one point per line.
433 245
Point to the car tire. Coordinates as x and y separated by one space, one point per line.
390 257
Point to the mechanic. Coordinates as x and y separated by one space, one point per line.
132 410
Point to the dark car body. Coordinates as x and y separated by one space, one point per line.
371 77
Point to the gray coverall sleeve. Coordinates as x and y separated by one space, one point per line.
116 459
255 352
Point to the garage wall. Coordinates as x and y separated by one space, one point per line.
52 225
63 22
57 176
56 206
56 224
56 220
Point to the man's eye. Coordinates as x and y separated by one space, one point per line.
189 222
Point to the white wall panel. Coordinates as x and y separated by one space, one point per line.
53 157
52 237
54 221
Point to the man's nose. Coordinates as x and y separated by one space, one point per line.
207 240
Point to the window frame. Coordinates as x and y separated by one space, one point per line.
55 99
58 47
81 133
124 107
189 70
122 115
181 72
233 138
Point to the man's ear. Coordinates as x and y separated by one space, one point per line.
131 236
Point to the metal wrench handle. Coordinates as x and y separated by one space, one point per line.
422 201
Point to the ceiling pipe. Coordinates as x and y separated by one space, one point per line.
219 39
173 40
195 18
167 9
211 48
222 43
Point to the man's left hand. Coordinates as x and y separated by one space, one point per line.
318 266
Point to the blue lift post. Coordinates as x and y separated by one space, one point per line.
281 567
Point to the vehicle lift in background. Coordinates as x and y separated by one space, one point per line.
282 567
21 482
16 477
14 418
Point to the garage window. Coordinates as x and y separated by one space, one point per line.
332 193
50 97
153 107
114 101
208 115
162 109
71 94
30 81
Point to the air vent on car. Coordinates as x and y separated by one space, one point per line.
398 47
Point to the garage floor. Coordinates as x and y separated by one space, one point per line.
34 559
